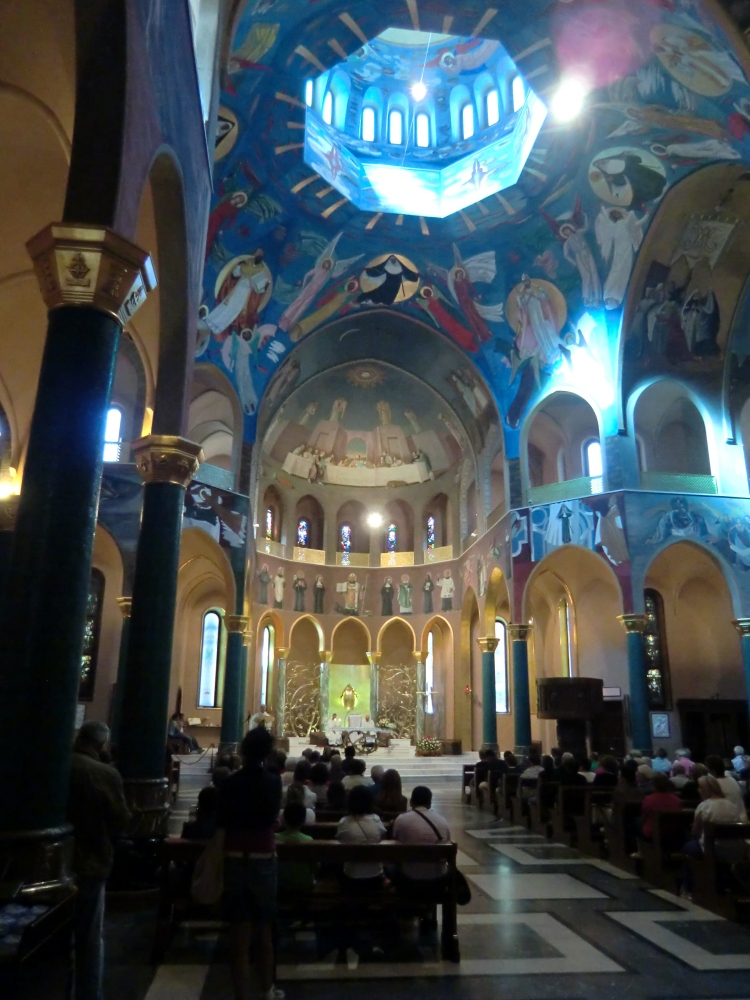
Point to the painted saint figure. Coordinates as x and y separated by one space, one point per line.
300 586
571 232
315 280
264 578
538 337
350 590
427 588
386 597
240 297
619 235
319 593
700 323
387 282
405 591
447 590
279 582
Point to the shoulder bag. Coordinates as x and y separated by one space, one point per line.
463 889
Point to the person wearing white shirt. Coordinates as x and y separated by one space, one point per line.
740 761
714 808
361 826
357 777
447 590
421 826
729 786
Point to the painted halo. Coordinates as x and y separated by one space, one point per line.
692 60
554 294
408 288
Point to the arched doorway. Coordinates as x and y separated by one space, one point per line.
701 655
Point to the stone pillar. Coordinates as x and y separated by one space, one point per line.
166 464
743 628
280 695
325 687
519 636
489 704
8 511
419 657
640 720
125 606
92 281
235 679
374 659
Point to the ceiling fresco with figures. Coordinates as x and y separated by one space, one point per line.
370 424
528 285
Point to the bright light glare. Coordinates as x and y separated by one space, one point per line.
374 520
419 91
568 101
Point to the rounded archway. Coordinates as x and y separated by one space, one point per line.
302 713
397 677
673 441
563 444
309 523
467 682
438 650
215 420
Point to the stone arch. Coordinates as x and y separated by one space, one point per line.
464 687
390 624
351 637
497 597
310 619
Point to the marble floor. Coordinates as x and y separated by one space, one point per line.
543 923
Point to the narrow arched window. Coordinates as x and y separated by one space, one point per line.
501 667
429 674
467 121
518 93
309 91
209 672
392 538
303 533
113 435
91 630
492 107
346 538
266 662
368 124
423 130
593 467
396 128
269 523
328 108
657 659
430 532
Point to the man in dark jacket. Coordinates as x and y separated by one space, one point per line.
98 814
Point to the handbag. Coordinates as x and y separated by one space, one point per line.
207 883
463 889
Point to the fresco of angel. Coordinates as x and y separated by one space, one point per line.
460 280
571 232
326 267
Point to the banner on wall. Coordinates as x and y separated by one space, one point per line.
704 239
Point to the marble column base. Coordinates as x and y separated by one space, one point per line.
148 801
38 859
232 747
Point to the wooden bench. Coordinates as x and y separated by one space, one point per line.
468 778
619 833
330 903
589 824
519 805
507 790
540 810
713 885
574 801
662 857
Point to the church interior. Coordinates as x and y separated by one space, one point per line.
376 371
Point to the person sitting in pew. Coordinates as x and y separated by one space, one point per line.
729 786
295 877
319 783
336 797
296 793
361 826
356 776
606 776
660 762
679 778
391 799
570 774
420 826
203 827
662 799
488 774
715 807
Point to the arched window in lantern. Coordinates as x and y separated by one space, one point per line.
303 533
431 532
392 537
346 538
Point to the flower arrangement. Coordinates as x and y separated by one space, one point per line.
429 747
385 723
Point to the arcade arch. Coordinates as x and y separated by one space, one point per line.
557 434
672 432
467 682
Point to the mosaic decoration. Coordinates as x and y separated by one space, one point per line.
530 282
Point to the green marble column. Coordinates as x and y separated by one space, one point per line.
325 688
282 653
489 705
235 678
8 511
374 659
519 635
419 657
166 464
92 281
640 717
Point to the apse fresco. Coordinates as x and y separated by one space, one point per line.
529 283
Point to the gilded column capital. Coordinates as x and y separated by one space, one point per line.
90 265
743 627
236 623
418 656
247 637
166 458
519 633
326 656
374 658
488 644
8 512
125 604
282 652
633 623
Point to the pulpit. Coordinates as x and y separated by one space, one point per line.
574 702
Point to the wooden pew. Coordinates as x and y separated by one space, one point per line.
540 811
468 778
662 857
329 903
506 791
520 810
572 801
619 841
713 885
589 825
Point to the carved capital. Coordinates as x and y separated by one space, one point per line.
236 623
8 511
488 644
282 652
743 627
247 637
374 658
326 656
89 265
419 656
164 458
633 623
125 604
519 633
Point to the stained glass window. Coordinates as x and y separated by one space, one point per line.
269 524
519 94
303 533
392 538
209 672
429 674
91 636
593 465
657 664
328 108
501 668
430 532
346 538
